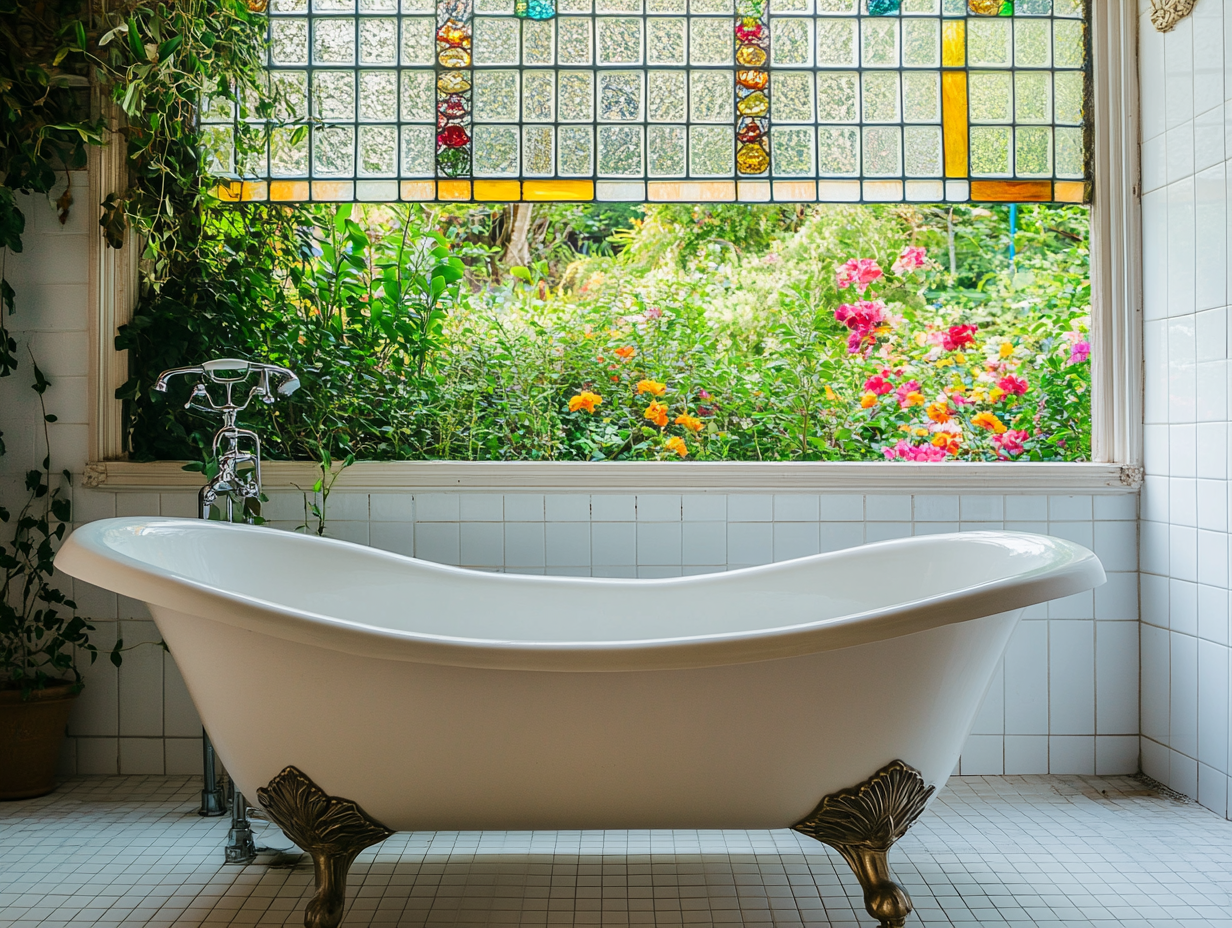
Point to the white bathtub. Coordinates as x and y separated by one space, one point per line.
442 698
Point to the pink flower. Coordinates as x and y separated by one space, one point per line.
1079 351
1011 384
702 394
1009 442
958 336
771 258
652 312
904 390
909 259
878 385
905 451
863 318
858 272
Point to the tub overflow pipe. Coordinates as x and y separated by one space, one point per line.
238 454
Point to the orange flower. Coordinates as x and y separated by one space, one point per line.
868 400
652 387
947 442
914 398
939 412
988 421
626 352
678 445
691 423
830 394
585 400
656 412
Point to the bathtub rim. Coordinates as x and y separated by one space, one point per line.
85 555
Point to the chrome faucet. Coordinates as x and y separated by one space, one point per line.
234 448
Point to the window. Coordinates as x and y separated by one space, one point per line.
673 100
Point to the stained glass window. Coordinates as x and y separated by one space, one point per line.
672 100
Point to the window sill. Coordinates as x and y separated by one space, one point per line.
615 476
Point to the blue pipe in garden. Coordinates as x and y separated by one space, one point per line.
1013 232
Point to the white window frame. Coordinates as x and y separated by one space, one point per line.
1116 369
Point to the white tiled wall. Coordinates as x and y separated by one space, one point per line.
1186 80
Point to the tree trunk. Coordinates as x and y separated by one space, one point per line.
518 252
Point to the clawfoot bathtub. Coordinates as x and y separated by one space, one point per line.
832 693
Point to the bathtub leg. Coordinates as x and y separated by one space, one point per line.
332 830
862 824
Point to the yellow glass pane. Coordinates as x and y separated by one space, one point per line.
453 190
229 193
504 191
954 43
418 190
289 190
954 121
242 191
753 191
702 192
333 191
1011 191
1069 191
558 190
795 191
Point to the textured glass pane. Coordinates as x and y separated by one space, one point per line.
883 151
710 41
620 151
921 96
1032 45
538 159
378 151
838 96
217 109
289 41
665 41
1032 7
954 7
333 151
496 40
838 151
333 6
990 151
494 6
991 96
538 96
921 43
1067 8
333 41
1032 96
418 151
575 151
1067 45
711 151
667 6
988 42
879 42
1068 88
837 6
218 149
879 90
574 6
792 151
418 41
782 7
710 96
333 94
791 41
618 6
418 6
496 151
575 97
538 41
836 42
667 96
706 7
922 151
378 96
378 6
793 96
920 7
288 158
1033 151
619 41
620 96
573 41
496 96
378 41
665 151
1070 161
419 96
289 6
292 90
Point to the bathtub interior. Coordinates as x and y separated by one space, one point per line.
388 591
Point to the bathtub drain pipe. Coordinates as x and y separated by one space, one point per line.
213 801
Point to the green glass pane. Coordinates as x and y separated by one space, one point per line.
990 96
879 43
1032 7
922 151
1067 85
838 151
418 96
287 157
291 89
883 156
922 43
538 41
1067 50
620 96
990 151
218 149
496 151
619 41
711 151
1032 96
378 96
1033 151
838 96
711 41
538 96
575 96
378 151
879 92
573 41
1032 43
665 151
333 151
620 151
418 42
988 42
665 40
496 96
378 41
793 96
537 151
791 149
333 41
836 43
575 151
710 96
1070 162
667 96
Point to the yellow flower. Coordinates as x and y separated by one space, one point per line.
919 433
960 358
1006 350
868 400
938 412
691 423
585 400
945 362
988 421
914 398
652 387
830 394
995 394
678 445
656 412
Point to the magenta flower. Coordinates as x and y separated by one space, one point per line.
958 336
909 259
858 272
863 318
878 385
1079 351
1011 384
903 450
1009 442
911 386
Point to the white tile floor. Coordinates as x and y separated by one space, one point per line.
1023 851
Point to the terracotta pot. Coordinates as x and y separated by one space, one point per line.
30 735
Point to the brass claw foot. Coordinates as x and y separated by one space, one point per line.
332 830
862 824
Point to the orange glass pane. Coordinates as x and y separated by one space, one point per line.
701 192
453 190
558 190
954 121
229 193
954 43
1069 191
333 191
288 190
1012 191
418 190
504 191
753 191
